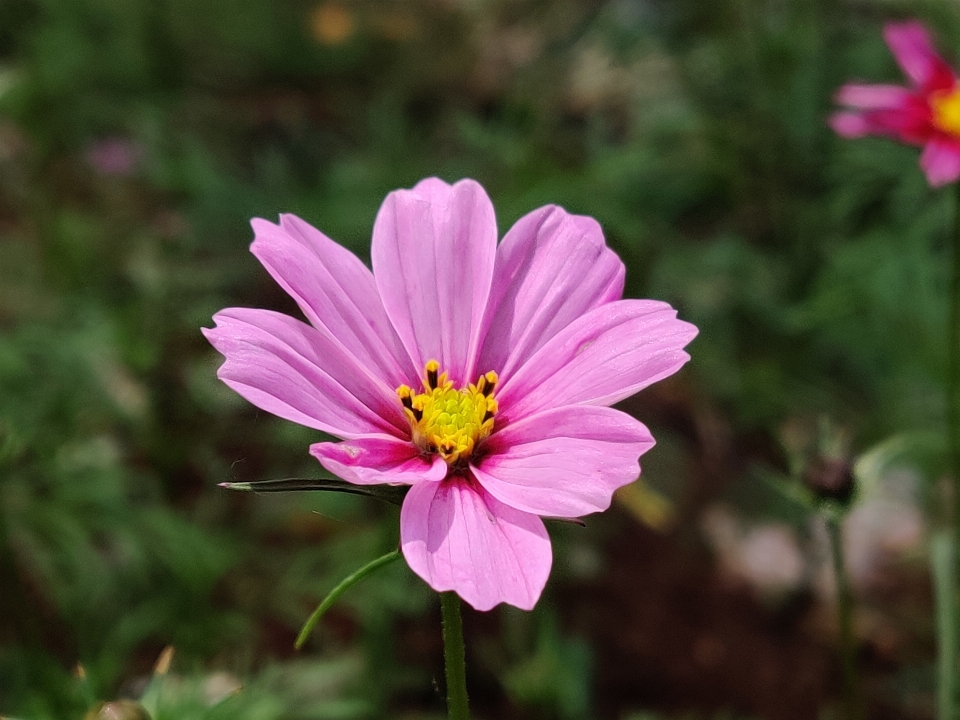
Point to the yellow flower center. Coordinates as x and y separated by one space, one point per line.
945 105
448 421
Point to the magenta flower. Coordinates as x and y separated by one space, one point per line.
477 374
926 114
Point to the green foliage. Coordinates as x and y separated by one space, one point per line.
693 131
555 677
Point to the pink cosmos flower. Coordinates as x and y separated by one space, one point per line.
477 374
926 114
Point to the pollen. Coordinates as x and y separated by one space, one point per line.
449 421
945 106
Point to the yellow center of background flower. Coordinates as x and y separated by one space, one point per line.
446 420
946 110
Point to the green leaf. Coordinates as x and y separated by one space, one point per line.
339 590
389 493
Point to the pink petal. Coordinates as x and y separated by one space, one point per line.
335 291
433 252
551 268
872 97
603 357
911 46
909 121
850 125
458 537
940 160
379 460
301 374
564 462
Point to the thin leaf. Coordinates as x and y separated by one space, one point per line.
579 522
339 590
389 493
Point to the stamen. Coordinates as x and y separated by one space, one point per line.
433 368
945 106
448 421
487 383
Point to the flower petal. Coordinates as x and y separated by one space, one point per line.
872 97
551 268
458 537
379 460
564 462
911 46
433 253
940 160
850 125
335 291
302 374
603 357
909 121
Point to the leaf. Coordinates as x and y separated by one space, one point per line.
334 595
389 493
923 450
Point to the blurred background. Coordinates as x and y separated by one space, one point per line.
137 138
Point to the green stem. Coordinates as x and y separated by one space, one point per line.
947 606
339 590
953 367
455 655
943 566
848 648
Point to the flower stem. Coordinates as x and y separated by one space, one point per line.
848 650
455 655
953 366
944 570
339 590
948 629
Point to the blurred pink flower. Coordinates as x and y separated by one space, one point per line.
114 156
927 113
478 374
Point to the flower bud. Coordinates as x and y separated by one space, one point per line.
830 478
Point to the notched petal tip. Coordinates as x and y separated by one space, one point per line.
687 330
259 223
223 334
265 232
435 190
432 187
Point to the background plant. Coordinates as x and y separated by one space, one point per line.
137 138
